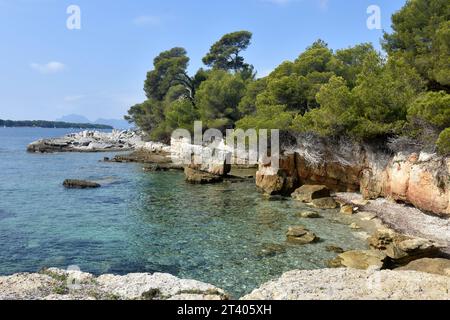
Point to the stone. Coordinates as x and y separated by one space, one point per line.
271 250
325 203
300 235
334 249
347 209
402 249
363 259
308 193
352 284
200 177
309 215
80 184
433 266
334 263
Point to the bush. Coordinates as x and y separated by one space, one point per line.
433 107
443 143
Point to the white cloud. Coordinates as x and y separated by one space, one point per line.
147 21
48 68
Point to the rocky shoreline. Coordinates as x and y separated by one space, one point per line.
400 238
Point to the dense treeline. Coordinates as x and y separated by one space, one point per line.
403 96
51 124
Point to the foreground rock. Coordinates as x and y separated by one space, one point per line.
434 266
352 284
55 284
80 184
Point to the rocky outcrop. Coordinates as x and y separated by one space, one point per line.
56 284
422 180
80 184
92 141
353 284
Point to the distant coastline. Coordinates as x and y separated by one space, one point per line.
51 124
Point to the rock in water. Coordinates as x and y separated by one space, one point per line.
334 249
325 203
80 184
363 259
200 177
347 209
308 193
300 235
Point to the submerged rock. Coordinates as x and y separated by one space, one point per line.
334 249
309 215
308 193
80 184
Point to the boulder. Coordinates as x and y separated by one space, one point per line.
402 249
80 184
300 235
325 203
434 266
308 193
363 259
309 215
200 177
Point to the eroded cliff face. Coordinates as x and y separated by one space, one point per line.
422 180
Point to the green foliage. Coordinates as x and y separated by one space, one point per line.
218 98
432 107
421 36
181 114
265 118
225 54
332 118
169 67
443 143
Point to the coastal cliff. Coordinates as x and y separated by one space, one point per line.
420 179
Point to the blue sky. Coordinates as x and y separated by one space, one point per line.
47 70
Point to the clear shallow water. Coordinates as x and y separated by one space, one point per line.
146 222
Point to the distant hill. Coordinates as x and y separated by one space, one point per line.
115 123
51 124
74 118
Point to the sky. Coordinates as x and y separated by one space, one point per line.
48 70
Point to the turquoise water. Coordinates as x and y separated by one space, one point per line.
147 222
